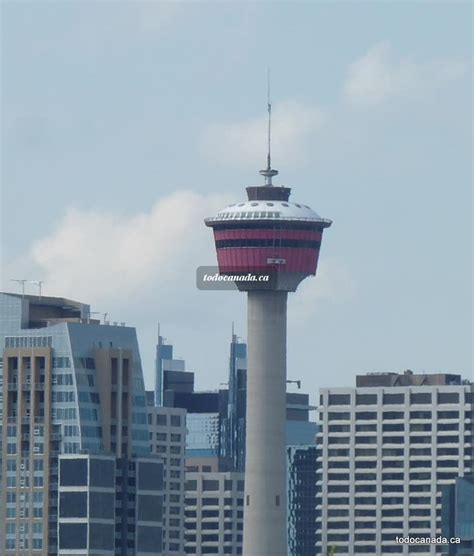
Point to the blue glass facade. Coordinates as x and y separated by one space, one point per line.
302 465
457 515
202 439
76 405
68 386
233 415
164 353
171 378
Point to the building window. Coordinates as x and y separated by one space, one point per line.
175 421
210 485
161 420
420 397
366 399
339 399
339 416
448 397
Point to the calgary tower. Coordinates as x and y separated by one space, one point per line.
267 235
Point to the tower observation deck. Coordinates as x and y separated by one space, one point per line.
267 234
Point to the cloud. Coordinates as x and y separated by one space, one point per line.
333 284
244 143
378 75
96 256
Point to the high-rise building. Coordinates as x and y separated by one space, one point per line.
204 410
73 398
302 465
215 443
233 419
267 236
387 448
167 427
214 513
302 462
457 516
299 429
109 506
170 375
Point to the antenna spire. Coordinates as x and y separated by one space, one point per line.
269 172
269 108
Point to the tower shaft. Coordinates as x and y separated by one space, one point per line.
265 520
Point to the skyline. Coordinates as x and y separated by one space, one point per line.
381 125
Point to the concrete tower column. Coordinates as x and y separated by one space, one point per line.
265 506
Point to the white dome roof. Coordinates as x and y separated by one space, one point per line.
268 210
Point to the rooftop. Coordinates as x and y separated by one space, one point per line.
407 378
43 310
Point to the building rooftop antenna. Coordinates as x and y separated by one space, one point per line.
22 282
269 173
38 283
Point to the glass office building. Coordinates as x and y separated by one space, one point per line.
69 385
457 516
302 465
233 417
170 375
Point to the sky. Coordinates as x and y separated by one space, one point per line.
125 124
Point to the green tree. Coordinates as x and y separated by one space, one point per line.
332 551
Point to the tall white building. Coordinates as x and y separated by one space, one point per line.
387 447
167 426
214 513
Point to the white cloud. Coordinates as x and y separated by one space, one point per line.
378 75
333 283
244 143
95 256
